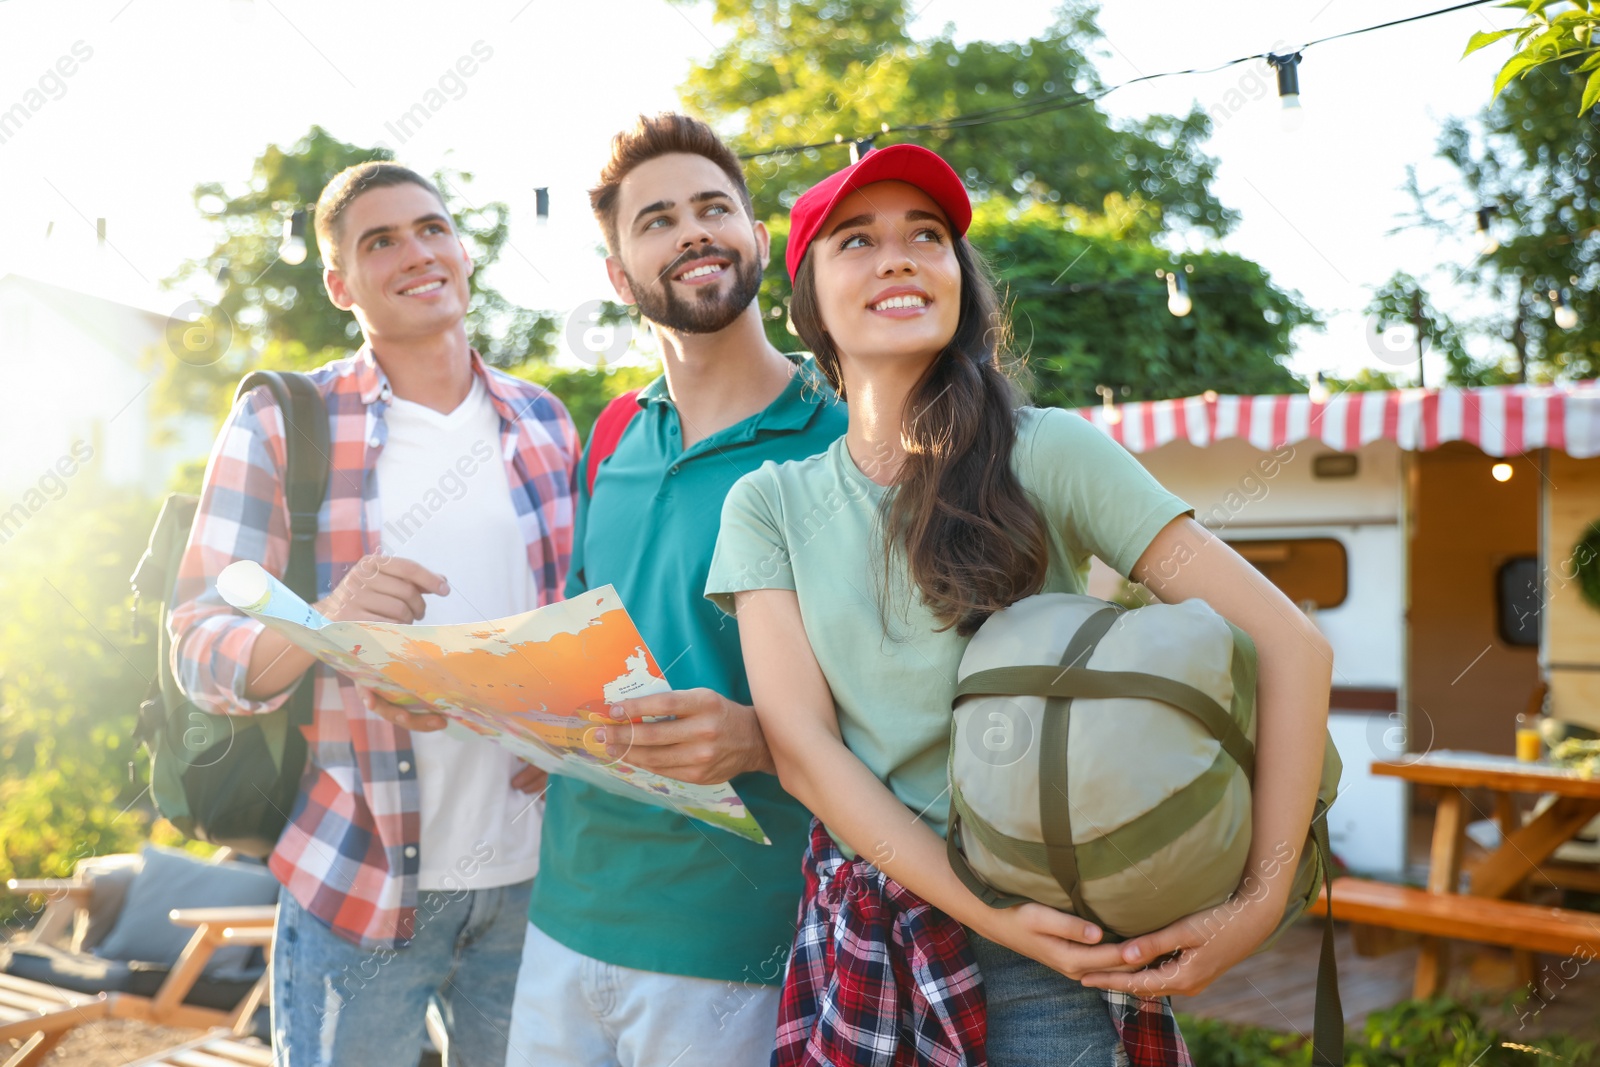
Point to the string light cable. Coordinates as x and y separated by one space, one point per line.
1284 62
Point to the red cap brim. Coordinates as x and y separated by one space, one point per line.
901 162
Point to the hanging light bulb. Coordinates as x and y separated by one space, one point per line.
1178 301
1490 244
1566 317
1288 68
1501 472
293 249
1108 409
1319 389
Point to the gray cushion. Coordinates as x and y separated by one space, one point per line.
172 879
108 878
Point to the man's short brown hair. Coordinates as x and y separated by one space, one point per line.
342 190
659 135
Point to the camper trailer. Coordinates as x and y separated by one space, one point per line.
1431 535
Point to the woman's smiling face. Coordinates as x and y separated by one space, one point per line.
887 281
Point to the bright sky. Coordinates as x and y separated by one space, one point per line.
177 92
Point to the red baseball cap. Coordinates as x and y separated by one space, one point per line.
898 162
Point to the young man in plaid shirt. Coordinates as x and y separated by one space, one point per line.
410 852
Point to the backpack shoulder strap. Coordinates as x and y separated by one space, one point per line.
305 480
608 431
305 422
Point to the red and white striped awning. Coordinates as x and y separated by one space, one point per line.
1502 420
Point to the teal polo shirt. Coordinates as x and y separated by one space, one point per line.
639 886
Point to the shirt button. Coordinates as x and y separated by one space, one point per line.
674 470
373 442
405 766
411 852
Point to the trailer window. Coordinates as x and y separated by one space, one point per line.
1305 568
1518 600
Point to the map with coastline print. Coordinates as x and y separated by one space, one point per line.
537 683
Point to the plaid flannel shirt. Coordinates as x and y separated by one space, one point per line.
350 852
881 978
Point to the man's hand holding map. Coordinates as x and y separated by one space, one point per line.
536 683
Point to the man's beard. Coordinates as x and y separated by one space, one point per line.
706 312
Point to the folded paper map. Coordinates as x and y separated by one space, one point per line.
536 683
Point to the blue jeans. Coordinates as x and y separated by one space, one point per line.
1039 1017
335 1003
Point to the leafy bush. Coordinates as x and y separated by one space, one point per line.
1414 1033
1213 1043
71 679
1446 1033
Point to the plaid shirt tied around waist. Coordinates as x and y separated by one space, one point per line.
350 852
881 978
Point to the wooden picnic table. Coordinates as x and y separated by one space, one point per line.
1525 848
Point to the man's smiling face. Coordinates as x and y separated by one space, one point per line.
687 251
400 267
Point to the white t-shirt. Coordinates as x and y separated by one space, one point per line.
446 504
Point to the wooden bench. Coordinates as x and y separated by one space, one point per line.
1490 921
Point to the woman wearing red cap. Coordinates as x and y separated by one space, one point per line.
858 576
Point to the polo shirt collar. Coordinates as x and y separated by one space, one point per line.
792 410
656 390
807 391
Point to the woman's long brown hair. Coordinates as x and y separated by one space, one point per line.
972 537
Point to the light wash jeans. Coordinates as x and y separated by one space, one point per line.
1038 1016
574 1011
335 1004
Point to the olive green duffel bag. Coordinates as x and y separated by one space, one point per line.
1101 763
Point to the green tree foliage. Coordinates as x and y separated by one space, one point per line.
1568 39
1404 299
73 675
1365 380
276 315
1071 209
1528 161
1087 308
806 71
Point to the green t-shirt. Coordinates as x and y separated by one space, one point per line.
620 881
811 526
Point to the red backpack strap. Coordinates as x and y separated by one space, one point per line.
608 431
